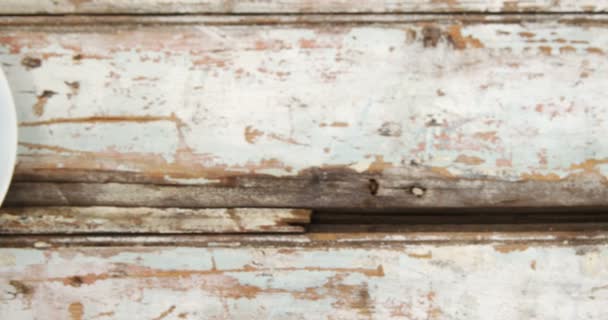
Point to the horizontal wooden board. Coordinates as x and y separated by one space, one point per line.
318 191
551 235
91 220
370 111
425 281
294 6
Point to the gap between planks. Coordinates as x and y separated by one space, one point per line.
450 224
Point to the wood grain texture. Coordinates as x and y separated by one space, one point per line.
317 191
91 220
369 111
570 234
294 6
424 281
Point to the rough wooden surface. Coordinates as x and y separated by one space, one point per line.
384 108
320 111
55 220
317 192
456 235
398 281
294 6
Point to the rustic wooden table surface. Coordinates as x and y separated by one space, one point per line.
341 159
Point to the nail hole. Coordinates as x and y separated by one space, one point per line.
417 191
373 186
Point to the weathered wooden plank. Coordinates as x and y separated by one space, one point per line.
49 220
374 111
318 191
425 281
294 6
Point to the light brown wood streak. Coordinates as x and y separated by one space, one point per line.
143 272
96 220
165 313
76 310
345 281
101 119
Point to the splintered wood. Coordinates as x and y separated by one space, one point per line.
91 220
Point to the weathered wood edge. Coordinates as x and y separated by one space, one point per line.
111 21
291 7
319 240
95 220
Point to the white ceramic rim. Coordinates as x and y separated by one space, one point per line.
8 136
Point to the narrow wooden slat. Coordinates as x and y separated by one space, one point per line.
323 238
371 112
293 6
91 220
424 281
349 191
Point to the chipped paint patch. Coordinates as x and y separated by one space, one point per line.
76 310
311 282
469 160
507 248
252 134
43 98
208 122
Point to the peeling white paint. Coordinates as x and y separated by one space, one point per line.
447 281
315 98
